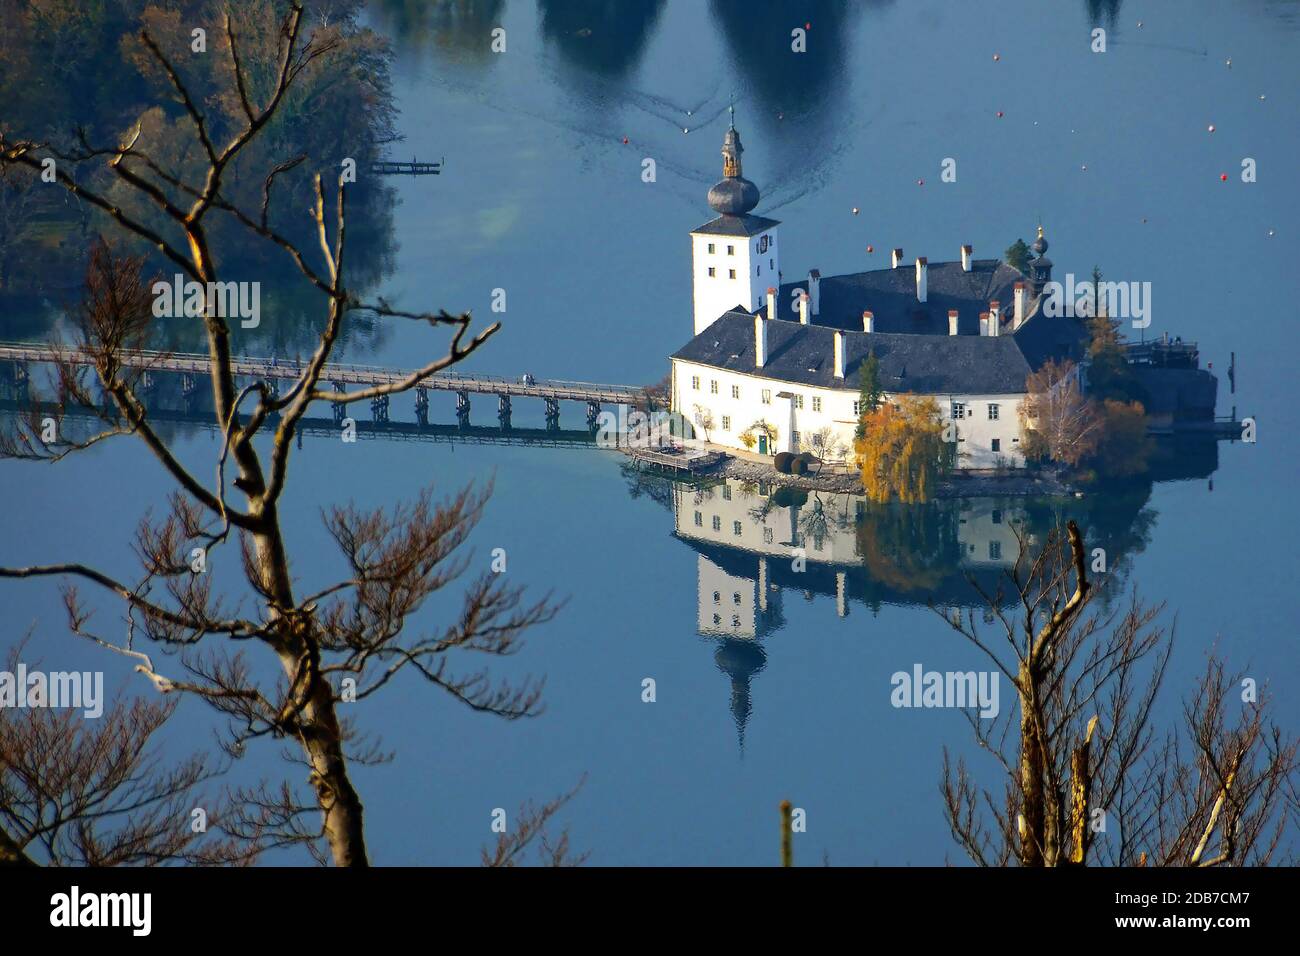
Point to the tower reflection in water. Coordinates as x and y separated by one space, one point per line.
756 541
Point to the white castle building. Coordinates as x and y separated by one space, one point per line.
776 366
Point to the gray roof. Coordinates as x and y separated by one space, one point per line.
890 295
924 364
736 226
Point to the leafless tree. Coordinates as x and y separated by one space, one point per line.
530 829
332 640
1080 750
77 791
1057 421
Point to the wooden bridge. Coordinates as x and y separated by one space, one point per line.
193 366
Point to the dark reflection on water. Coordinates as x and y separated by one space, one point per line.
756 544
604 36
460 29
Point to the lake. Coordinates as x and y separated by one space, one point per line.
541 197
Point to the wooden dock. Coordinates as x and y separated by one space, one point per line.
386 167
676 460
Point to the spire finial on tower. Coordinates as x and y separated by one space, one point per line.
734 195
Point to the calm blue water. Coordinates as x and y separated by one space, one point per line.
541 197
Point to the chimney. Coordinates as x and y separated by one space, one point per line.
803 309
815 291
868 322
952 321
995 317
771 303
895 258
1019 315
760 341
984 323
839 354
920 279
966 253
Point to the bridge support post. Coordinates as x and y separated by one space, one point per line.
503 411
593 415
340 409
379 409
422 406
462 409
552 414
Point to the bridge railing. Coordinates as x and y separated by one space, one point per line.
346 372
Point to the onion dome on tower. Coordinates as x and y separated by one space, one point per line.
733 195
1040 268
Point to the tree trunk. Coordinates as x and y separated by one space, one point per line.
319 733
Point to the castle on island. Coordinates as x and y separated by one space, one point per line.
774 364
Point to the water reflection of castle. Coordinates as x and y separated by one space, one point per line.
754 542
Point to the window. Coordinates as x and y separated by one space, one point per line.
726 492
735 391
770 265
713 273
794 438
857 409
735 529
731 250
717 619
958 409
735 620
798 402
767 535
713 386
997 516
726 423
731 273
699 520
695 382
995 550
735 595
717 523
997 444
767 396
712 248
993 413
817 403
717 597
758 270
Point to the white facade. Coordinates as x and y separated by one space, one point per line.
727 271
724 404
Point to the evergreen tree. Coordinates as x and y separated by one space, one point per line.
1017 255
869 392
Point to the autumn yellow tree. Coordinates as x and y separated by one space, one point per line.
902 452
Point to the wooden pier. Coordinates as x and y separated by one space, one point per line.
386 167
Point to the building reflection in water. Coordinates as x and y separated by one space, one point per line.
754 542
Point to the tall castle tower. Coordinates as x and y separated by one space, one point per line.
734 257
